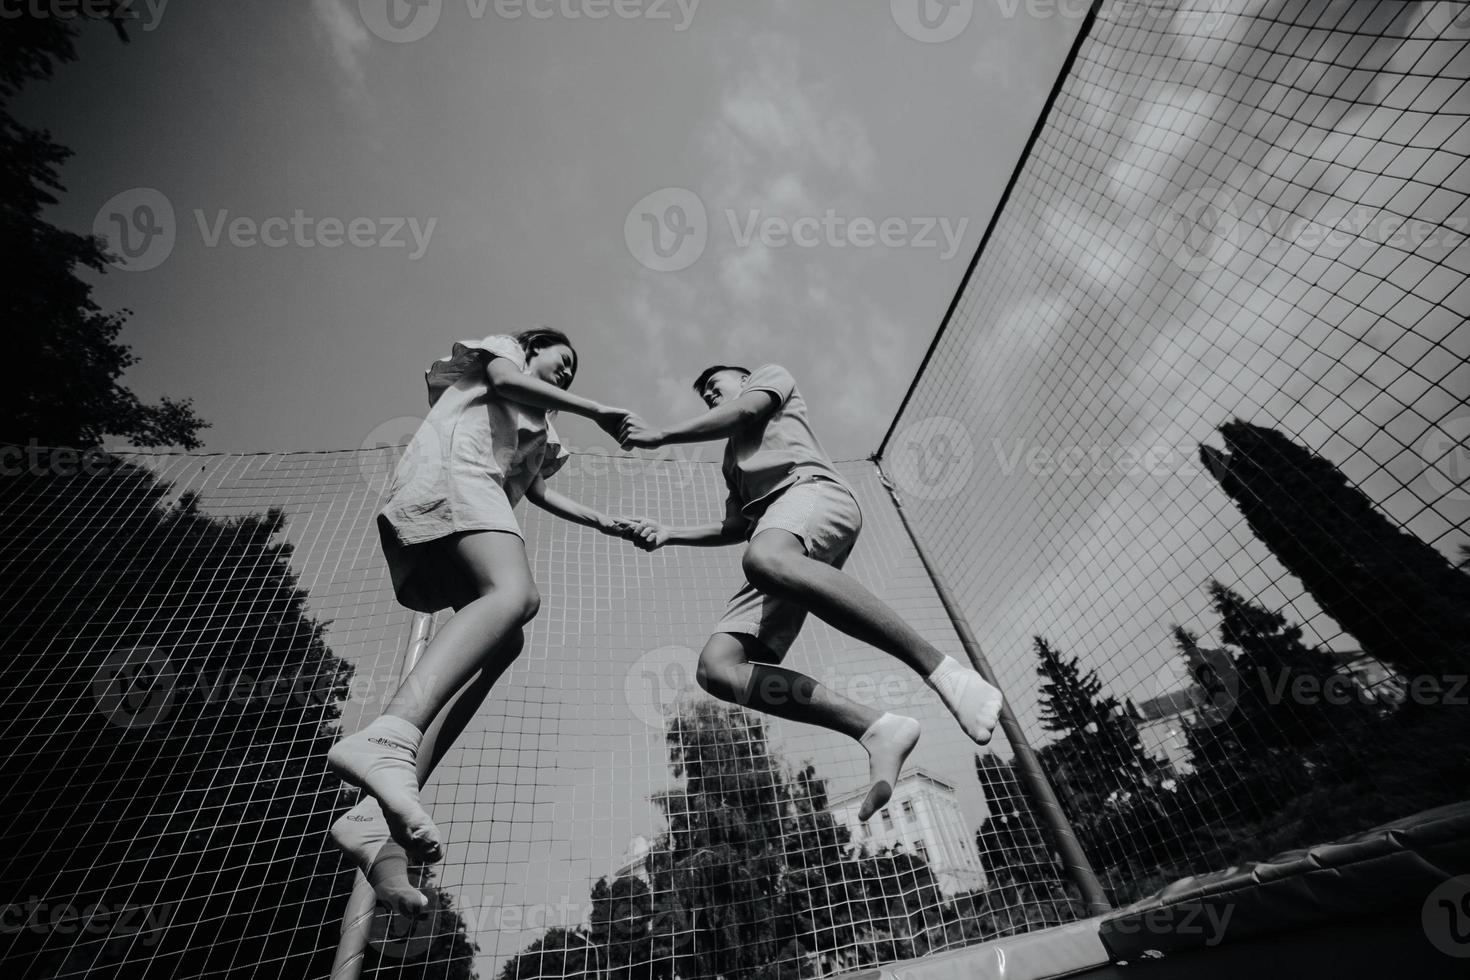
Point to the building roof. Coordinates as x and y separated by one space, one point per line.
1169 704
909 775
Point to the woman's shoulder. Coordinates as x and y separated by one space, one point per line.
468 356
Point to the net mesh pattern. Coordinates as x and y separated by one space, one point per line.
1190 446
1189 450
188 634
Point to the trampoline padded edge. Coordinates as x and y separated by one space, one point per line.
1380 870
1055 952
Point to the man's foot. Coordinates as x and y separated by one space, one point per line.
889 741
362 834
973 701
381 760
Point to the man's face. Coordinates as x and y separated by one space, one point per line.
722 386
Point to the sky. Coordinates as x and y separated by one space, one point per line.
519 147
538 156
1096 348
528 154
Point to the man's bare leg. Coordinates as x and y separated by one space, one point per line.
777 563
727 671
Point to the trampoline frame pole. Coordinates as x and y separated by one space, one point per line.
1033 778
357 920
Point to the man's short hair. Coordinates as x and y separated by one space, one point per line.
713 370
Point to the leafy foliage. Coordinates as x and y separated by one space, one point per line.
64 386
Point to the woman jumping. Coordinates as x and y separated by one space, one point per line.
451 540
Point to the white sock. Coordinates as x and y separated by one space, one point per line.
362 834
889 740
969 697
382 760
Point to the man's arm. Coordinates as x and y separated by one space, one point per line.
507 381
570 510
717 423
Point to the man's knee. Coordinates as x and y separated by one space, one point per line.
769 567
719 671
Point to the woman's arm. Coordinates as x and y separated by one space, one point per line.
717 423
651 536
569 510
508 382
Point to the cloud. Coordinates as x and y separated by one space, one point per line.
348 38
771 116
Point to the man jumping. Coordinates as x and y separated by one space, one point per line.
801 521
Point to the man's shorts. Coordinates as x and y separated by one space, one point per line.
826 518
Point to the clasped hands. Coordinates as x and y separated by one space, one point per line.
629 429
632 432
645 534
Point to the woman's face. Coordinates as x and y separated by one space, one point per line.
553 365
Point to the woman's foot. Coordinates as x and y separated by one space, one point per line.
381 759
889 740
362 834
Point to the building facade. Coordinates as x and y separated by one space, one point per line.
924 819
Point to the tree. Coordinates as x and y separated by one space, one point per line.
1026 887
433 941
64 384
169 703
622 925
1289 696
718 867
1099 759
559 954
752 878
1403 600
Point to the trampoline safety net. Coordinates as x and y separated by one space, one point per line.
1188 453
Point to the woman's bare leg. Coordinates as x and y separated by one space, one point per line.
385 758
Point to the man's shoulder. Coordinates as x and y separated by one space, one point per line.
771 377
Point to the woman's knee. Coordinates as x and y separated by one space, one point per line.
494 563
526 601
521 600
